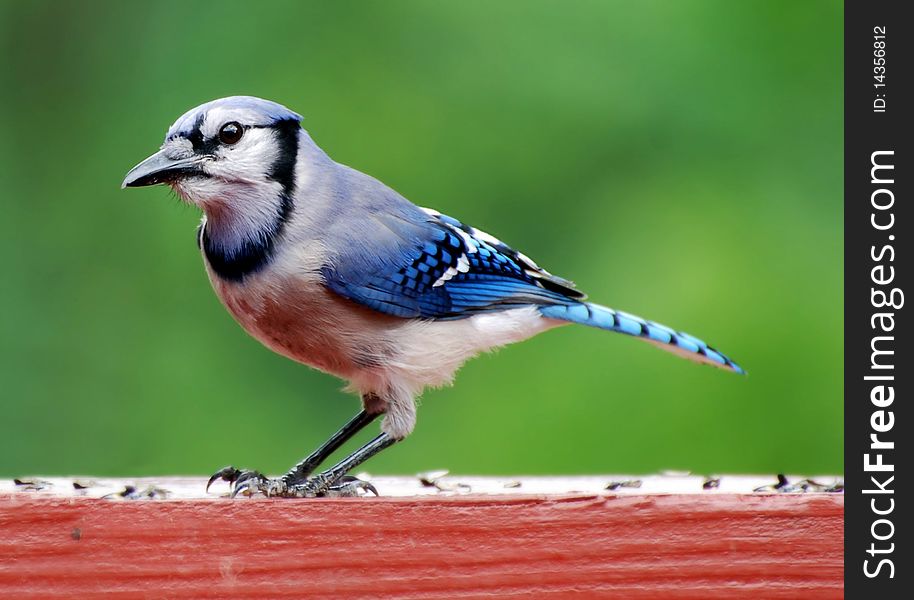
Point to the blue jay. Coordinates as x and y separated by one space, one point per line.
331 268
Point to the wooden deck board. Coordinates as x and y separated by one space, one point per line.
469 537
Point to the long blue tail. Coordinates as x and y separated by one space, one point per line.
661 336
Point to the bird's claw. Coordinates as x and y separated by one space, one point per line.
325 485
229 474
248 483
349 487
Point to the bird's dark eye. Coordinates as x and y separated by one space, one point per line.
231 133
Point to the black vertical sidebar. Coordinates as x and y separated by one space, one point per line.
878 372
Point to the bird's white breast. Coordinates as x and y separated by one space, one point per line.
291 312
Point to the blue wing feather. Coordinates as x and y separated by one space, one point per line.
454 271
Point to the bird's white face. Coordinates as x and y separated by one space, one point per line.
235 159
226 152
232 161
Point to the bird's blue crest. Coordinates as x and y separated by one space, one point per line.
256 111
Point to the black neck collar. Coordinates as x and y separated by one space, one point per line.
256 251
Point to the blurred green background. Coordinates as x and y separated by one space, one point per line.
679 160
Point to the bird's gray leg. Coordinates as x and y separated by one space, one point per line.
299 473
334 480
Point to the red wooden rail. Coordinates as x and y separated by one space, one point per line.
658 537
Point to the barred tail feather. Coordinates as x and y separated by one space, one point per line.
659 335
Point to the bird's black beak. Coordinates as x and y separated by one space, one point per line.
159 168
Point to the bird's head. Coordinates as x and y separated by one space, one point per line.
226 155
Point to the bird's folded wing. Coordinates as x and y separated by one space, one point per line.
445 270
